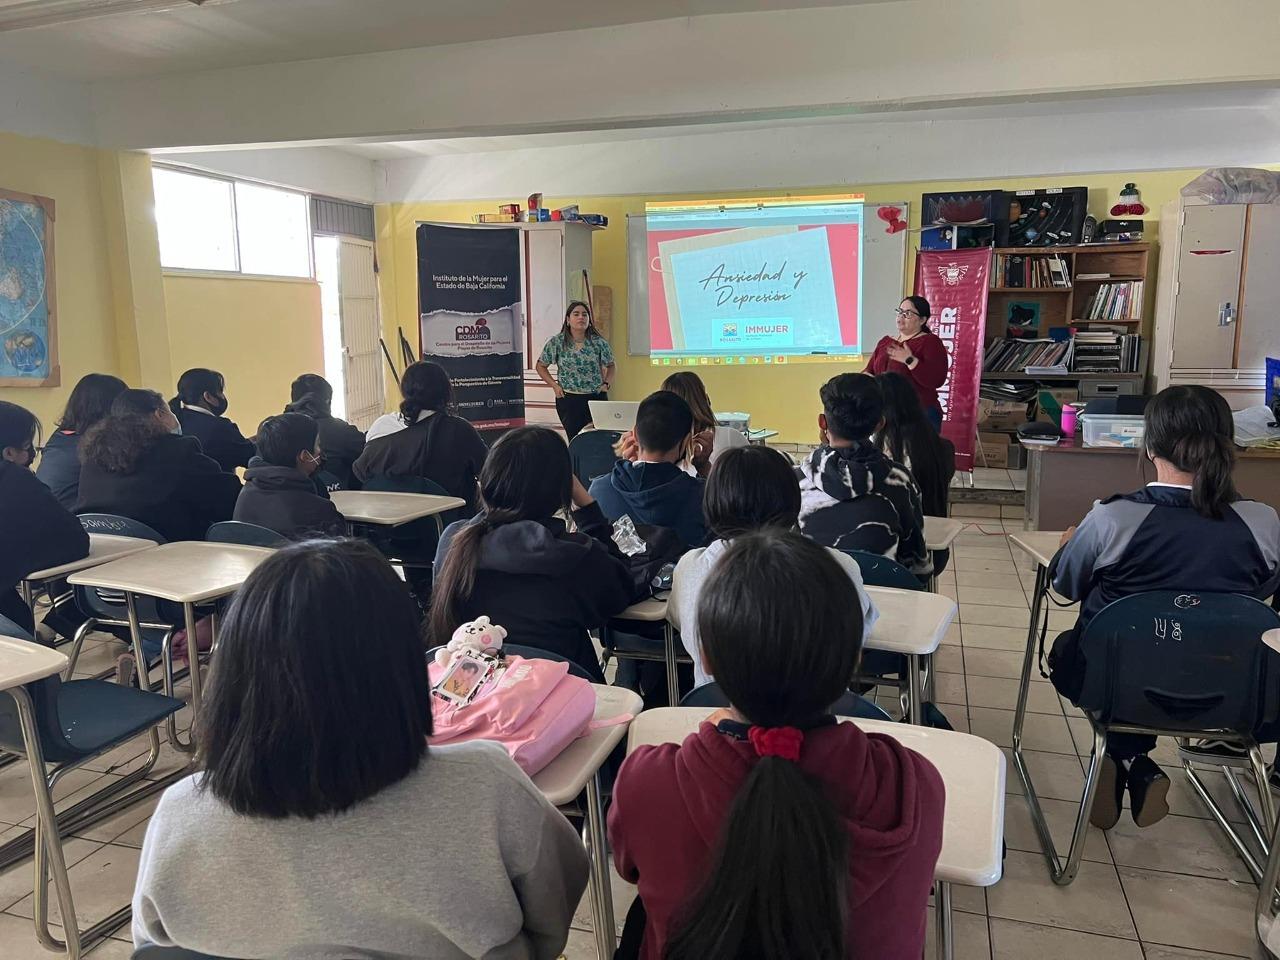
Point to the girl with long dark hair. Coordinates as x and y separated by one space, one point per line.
200 406
773 831
518 563
584 367
89 402
1189 529
312 749
137 464
916 353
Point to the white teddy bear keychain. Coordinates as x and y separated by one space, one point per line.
478 637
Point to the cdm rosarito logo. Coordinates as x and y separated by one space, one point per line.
479 330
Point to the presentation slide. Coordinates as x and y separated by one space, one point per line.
755 281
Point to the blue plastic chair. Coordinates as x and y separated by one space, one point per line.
150 951
878 571
1175 664
249 534
592 454
534 653
849 704
57 726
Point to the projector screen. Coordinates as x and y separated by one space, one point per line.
755 281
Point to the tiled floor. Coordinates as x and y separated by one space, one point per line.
1172 892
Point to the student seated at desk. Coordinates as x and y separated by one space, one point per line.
749 489
280 492
423 439
773 831
852 496
199 407
89 402
654 490
321 817
516 561
1187 530
36 532
341 442
709 439
137 464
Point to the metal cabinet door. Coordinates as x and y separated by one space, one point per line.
1260 305
1207 301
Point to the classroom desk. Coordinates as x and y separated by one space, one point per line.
654 610
103 547
1063 481
761 436
385 509
972 769
578 767
188 572
941 532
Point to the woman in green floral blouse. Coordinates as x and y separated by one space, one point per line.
584 367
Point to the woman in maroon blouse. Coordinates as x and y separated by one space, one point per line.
917 354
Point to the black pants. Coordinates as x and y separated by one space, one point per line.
11 606
1066 673
573 411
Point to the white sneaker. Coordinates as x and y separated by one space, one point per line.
126 667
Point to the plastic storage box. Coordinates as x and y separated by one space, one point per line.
1112 430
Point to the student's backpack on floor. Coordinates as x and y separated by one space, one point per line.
533 708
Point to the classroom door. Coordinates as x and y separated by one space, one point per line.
1207 302
361 327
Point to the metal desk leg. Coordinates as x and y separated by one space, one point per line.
602 919
135 634
193 657
915 691
945 947
673 675
29 599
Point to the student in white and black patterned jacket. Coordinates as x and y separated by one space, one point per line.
853 497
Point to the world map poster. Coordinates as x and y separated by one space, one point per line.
28 311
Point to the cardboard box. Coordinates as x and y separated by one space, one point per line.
1001 451
995 415
1065 395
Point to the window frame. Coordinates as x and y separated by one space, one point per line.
310 277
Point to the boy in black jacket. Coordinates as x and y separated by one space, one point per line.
279 491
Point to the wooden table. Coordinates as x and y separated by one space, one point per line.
578 767
972 769
189 572
385 509
103 547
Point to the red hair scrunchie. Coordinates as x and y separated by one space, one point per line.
781 742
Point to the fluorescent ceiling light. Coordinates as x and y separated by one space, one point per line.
24 14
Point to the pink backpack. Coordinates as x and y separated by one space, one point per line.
533 708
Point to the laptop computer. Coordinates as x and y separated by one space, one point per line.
613 414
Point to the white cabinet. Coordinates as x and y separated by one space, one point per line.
1218 297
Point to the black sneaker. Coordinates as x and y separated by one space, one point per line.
1110 796
1209 751
1148 792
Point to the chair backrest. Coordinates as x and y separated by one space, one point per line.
849 704
151 951
109 604
534 653
250 534
119 526
389 484
878 571
10 629
592 454
1179 660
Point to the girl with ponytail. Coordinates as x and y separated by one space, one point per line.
517 562
773 831
1187 530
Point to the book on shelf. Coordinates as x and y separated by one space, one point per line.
1106 351
1021 271
1009 355
1093 276
1116 301
1089 351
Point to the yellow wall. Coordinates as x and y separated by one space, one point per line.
782 398
259 333
86 303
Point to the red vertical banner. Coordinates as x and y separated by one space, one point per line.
955 284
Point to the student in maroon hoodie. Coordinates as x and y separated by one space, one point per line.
774 831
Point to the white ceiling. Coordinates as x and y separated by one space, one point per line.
249 32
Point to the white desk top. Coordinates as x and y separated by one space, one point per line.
391 509
565 777
22 661
185 572
910 621
941 532
1272 639
647 611
972 769
102 547
1040 544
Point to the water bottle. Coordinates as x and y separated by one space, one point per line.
1068 420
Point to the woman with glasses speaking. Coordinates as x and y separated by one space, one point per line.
917 354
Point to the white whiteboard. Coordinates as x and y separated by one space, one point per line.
884 257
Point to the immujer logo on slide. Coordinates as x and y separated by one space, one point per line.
477 331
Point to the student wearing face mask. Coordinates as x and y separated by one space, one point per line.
36 532
136 464
200 407
280 492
